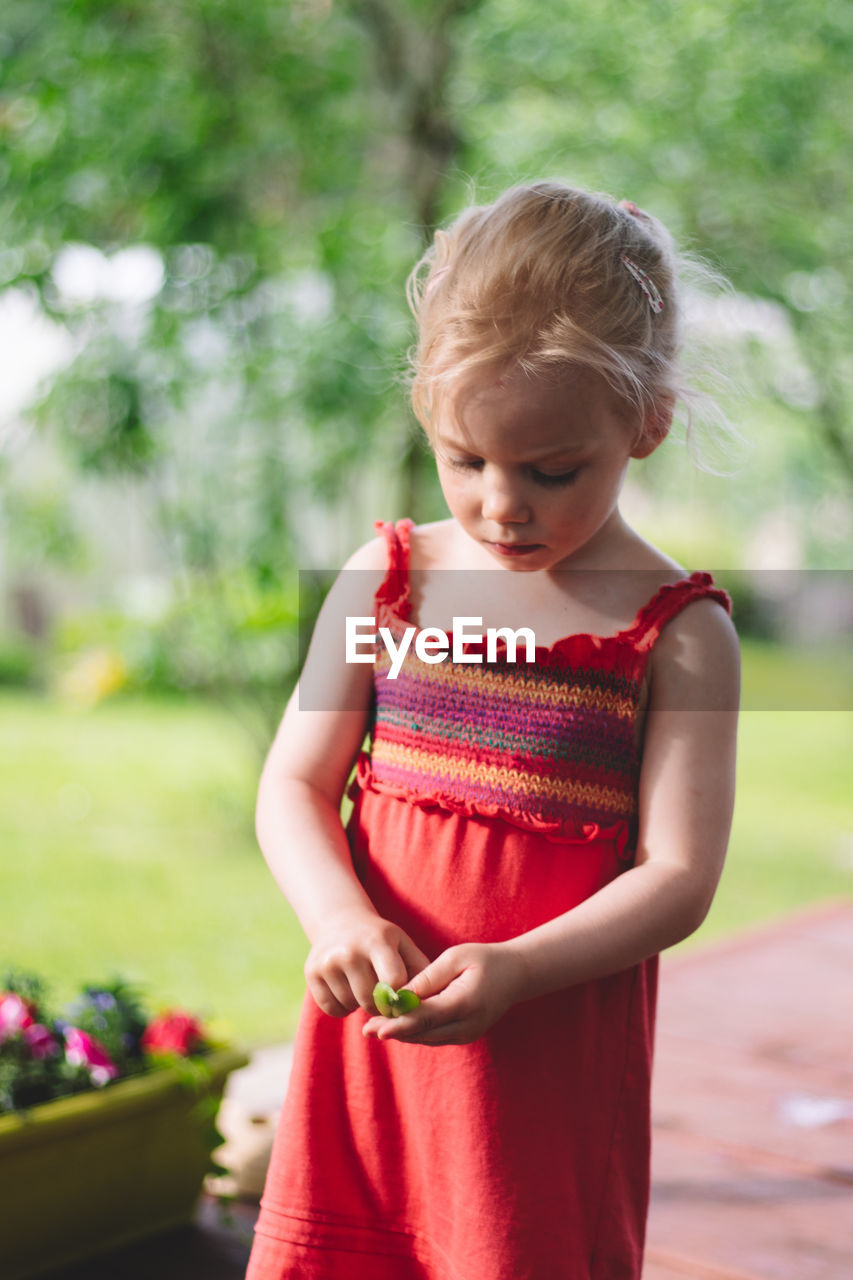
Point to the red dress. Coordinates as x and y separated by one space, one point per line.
493 799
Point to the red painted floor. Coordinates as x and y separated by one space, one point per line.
753 1114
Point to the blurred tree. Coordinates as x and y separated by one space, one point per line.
732 122
281 180
235 141
282 163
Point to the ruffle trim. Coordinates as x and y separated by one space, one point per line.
393 593
561 832
667 602
395 615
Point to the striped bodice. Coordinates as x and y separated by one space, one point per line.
553 744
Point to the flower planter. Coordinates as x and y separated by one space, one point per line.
82 1175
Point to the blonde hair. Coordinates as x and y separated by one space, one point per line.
538 282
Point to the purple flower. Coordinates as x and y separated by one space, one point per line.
42 1044
93 999
83 1050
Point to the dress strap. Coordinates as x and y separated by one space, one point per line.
393 591
668 601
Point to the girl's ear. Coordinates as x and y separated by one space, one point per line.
655 428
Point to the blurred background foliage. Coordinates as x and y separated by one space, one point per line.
217 205
208 210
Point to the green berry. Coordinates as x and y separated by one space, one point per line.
384 997
391 1003
406 1001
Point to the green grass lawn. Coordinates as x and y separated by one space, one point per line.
127 847
792 841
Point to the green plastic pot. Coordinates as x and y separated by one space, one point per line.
83 1175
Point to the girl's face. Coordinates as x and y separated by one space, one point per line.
532 469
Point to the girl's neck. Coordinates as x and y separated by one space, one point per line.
599 593
614 546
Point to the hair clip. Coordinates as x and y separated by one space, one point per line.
648 286
630 207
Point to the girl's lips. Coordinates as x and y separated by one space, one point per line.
515 548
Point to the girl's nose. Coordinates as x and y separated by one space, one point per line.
503 502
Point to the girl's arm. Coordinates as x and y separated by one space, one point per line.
686 802
298 810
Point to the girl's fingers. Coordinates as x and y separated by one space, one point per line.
344 982
437 976
414 960
424 1026
332 998
389 965
445 1004
463 992
395 965
450 1033
438 1013
339 991
362 979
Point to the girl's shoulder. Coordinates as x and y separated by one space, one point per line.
431 546
352 594
696 659
440 544
370 556
632 552
695 653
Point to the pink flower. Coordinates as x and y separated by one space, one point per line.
15 1015
173 1032
83 1050
42 1043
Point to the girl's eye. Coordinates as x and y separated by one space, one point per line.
546 479
465 464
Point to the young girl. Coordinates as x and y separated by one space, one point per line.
529 830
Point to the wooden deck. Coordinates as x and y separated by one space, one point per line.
753 1107
753 1115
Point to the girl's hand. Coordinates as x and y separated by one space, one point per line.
463 993
355 949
